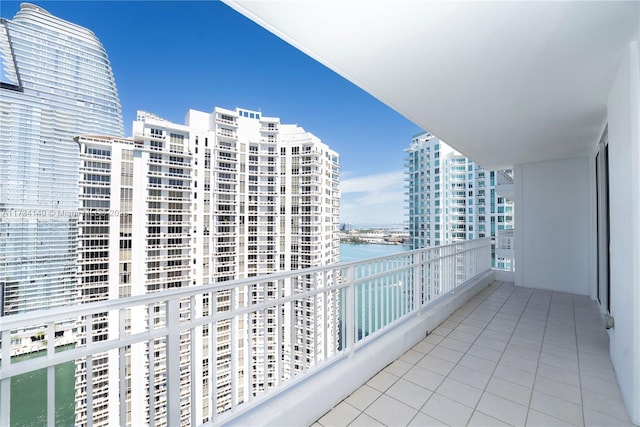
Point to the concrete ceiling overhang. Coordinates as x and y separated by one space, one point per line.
502 82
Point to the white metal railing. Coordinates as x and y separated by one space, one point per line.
257 335
505 239
502 177
505 249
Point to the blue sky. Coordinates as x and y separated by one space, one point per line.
168 57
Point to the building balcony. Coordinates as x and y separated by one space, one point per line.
226 133
424 337
504 185
164 257
182 175
576 187
226 121
141 137
183 162
408 280
228 146
505 244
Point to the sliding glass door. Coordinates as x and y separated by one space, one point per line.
602 194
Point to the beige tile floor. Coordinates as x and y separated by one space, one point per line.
510 356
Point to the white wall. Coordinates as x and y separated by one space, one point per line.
553 228
623 111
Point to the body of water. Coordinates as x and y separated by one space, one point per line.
380 300
356 252
29 394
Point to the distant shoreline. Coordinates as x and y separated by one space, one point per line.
375 243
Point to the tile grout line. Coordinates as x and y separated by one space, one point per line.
363 411
580 370
575 327
535 375
479 301
483 329
465 317
498 361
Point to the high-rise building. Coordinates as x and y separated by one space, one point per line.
452 198
134 238
55 83
229 195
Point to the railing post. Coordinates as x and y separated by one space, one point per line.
173 362
89 383
152 363
51 376
5 383
475 260
418 271
192 359
122 367
351 326
89 367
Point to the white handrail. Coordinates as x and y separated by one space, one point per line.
281 327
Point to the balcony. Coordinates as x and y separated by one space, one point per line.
351 308
227 133
505 246
560 238
227 121
493 354
504 185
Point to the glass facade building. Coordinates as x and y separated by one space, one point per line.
56 82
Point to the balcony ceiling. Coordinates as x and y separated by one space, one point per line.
502 82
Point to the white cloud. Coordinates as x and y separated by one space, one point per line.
373 199
372 183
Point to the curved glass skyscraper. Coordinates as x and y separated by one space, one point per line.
56 82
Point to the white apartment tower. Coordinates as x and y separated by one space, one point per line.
452 198
229 195
135 238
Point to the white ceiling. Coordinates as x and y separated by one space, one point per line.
502 82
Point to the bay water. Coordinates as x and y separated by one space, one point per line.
379 301
358 251
29 394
